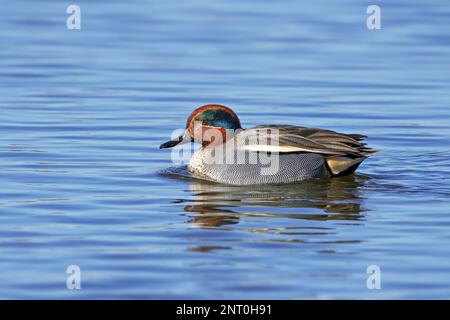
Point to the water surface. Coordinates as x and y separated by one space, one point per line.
82 114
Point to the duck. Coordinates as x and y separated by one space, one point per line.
266 154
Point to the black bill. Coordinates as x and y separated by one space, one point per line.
171 143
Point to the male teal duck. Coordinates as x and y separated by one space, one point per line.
266 154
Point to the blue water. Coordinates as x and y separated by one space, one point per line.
82 113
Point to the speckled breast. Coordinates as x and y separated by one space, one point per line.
244 168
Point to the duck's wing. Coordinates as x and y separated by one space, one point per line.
286 138
342 151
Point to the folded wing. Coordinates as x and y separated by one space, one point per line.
343 152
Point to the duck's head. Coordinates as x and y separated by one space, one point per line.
204 124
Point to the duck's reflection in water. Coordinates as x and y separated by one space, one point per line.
218 205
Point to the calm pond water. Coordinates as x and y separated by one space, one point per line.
83 182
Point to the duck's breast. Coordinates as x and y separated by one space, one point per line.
243 168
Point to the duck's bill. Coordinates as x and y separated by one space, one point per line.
185 138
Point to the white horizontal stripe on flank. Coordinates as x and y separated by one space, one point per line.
270 148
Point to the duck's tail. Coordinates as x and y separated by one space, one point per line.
345 165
